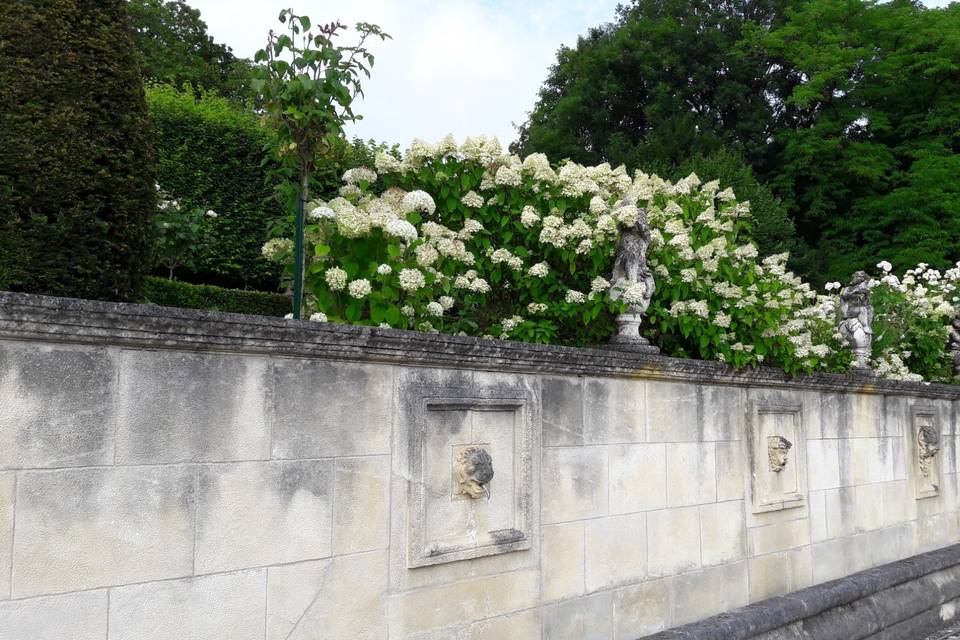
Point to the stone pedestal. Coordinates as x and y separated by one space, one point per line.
628 336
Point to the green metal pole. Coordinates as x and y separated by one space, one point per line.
298 261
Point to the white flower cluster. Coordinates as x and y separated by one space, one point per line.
277 248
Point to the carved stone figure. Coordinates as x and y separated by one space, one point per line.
778 448
856 315
928 445
473 471
632 280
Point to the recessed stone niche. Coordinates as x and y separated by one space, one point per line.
778 477
471 472
924 451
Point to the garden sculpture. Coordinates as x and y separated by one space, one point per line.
632 281
856 324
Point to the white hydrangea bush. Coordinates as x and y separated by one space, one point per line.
911 318
464 238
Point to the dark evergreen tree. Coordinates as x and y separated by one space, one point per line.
76 167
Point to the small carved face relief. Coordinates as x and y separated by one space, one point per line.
778 448
473 471
928 441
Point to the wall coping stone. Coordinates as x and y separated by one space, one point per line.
31 317
780 611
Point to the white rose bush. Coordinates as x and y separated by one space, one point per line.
470 240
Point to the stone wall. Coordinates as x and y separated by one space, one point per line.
175 474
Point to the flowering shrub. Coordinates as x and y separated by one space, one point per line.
910 326
467 239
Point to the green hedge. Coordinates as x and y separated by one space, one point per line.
76 165
210 154
173 293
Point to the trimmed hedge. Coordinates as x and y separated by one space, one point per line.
76 162
210 154
173 293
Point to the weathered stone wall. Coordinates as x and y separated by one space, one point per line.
173 474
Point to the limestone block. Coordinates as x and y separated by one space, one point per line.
722 532
179 406
58 406
562 411
868 506
896 415
701 594
642 609
892 543
341 598
818 516
73 616
823 460
778 537
780 573
252 514
316 412
840 514
435 608
730 466
673 412
614 411
876 459
897 502
854 415
840 557
86 528
724 413
615 549
7 487
691 473
638 477
563 561
587 618
574 484
525 624
361 506
673 541
230 605
935 531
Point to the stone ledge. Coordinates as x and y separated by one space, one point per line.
829 611
50 319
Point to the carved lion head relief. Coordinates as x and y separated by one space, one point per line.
778 449
473 471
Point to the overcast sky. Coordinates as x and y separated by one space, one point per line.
454 66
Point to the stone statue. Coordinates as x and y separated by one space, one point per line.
632 281
473 471
928 445
856 313
778 449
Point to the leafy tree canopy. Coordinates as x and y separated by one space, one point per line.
848 110
174 48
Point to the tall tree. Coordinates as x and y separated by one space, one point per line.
664 81
849 110
868 154
175 48
76 166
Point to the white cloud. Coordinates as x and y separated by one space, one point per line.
463 66
460 66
